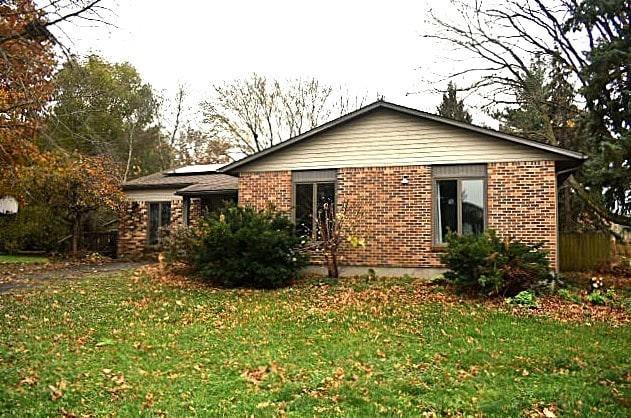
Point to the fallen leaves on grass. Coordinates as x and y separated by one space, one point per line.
255 376
57 390
378 300
261 373
565 311
347 343
29 380
173 275
541 410
149 401
67 414
382 299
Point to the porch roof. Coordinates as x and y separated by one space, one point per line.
209 181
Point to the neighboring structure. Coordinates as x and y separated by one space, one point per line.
169 199
413 176
8 205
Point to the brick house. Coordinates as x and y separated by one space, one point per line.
169 199
413 176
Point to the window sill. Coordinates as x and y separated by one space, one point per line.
439 248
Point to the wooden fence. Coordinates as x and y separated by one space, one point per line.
105 243
585 251
623 250
579 252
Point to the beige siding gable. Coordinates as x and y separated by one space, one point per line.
152 195
384 138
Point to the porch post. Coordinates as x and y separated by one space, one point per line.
186 207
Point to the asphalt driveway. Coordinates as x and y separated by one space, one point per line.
16 276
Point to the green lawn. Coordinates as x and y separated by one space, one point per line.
22 259
128 345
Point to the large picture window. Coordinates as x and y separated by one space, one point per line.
159 217
312 191
460 200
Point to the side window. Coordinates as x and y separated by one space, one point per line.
304 208
460 200
312 191
159 217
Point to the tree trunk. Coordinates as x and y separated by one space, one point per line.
130 152
596 206
331 265
76 232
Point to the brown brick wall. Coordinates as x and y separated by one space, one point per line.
522 202
177 213
397 219
133 226
260 189
195 212
132 229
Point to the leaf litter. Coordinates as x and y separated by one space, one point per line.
355 305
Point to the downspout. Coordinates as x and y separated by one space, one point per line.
556 244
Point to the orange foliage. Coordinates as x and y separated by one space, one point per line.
27 62
73 185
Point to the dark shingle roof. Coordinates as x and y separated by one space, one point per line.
219 183
209 181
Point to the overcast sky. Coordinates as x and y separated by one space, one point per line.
370 47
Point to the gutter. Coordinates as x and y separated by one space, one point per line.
205 192
155 186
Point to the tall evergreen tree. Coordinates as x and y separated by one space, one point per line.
607 91
451 107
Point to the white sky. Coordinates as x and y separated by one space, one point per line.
370 47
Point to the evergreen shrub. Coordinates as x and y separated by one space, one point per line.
493 266
243 247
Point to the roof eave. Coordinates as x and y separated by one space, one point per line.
155 186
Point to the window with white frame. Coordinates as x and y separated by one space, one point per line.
460 200
313 190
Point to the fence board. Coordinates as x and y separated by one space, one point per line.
105 243
580 252
623 250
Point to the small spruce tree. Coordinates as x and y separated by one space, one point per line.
451 107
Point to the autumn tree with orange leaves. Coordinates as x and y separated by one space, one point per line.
73 187
27 62
69 185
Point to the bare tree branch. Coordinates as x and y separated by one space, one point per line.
256 113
